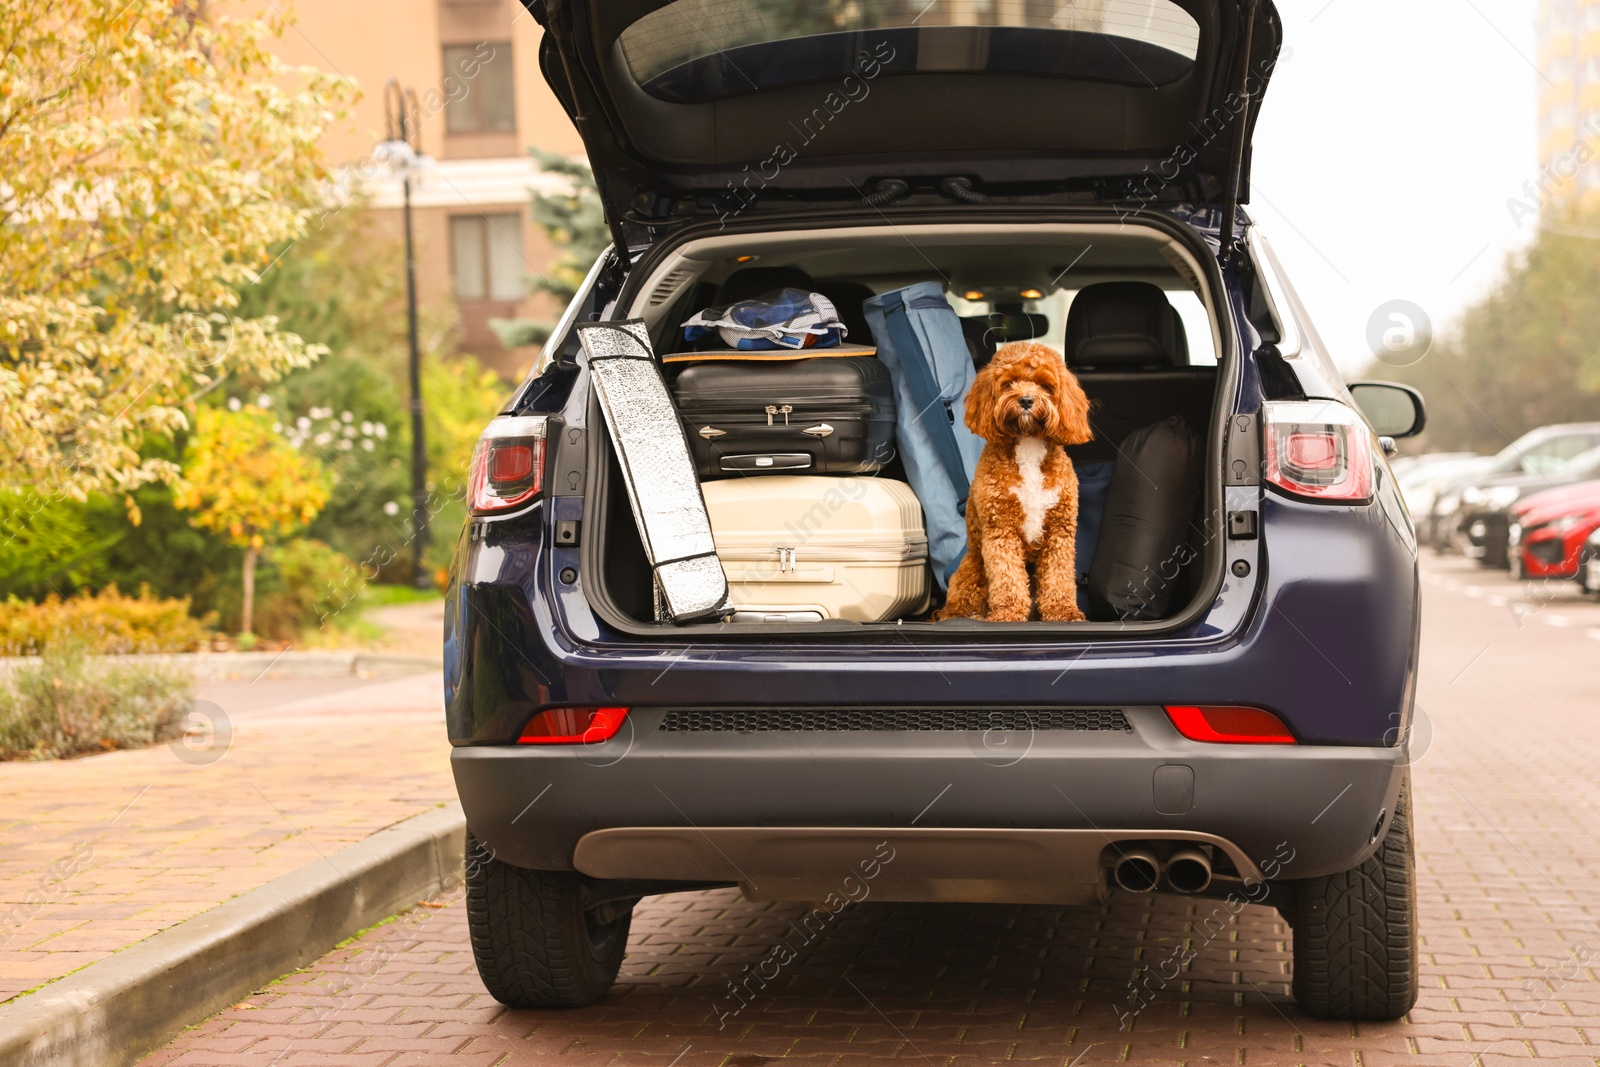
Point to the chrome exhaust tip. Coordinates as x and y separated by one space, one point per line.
1189 870
1137 870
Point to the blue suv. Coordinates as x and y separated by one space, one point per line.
1248 740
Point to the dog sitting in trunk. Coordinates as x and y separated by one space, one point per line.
1022 514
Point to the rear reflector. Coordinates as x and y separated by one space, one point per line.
508 464
1230 725
572 726
1320 450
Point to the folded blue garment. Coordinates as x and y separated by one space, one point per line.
786 318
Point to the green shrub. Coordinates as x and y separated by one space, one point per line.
106 623
307 584
67 703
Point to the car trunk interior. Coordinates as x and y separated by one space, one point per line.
1006 282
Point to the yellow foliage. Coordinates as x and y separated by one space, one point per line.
244 480
103 622
152 162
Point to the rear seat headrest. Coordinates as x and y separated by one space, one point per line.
847 299
750 282
985 333
1124 325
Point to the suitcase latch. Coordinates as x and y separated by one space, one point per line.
774 409
709 432
821 429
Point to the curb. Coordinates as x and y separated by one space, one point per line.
224 666
129 1004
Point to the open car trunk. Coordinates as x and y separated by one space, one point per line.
1008 281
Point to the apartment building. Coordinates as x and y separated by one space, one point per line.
482 102
1569 106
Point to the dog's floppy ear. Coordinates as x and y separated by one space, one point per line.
980 404
1072 409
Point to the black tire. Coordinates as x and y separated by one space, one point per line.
535 945
1355 933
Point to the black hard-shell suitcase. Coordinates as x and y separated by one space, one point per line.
819 415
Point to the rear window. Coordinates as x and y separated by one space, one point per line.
692 51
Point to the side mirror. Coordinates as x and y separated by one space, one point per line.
1393 410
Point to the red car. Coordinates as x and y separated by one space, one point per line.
1548 530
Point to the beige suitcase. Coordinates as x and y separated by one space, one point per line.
803 548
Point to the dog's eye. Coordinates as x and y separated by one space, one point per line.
1047 390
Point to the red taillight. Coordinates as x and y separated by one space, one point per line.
1319 449
1229 725
573 726
508 464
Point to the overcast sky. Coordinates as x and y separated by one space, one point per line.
1389 142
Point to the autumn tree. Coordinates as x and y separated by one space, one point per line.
244 480
155 153
1524 355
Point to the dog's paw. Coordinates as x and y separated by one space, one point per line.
1007 615
1071 614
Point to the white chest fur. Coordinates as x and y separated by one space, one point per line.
1030 491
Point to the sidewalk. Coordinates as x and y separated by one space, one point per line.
99 853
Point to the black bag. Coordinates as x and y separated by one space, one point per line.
823 415
1144 535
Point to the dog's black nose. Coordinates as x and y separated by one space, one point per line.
1025 403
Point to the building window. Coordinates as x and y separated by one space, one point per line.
486 255
478 90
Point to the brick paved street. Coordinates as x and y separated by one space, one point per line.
1506 801
98 853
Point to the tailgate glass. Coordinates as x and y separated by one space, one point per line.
692 51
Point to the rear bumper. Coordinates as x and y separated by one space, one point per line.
742 806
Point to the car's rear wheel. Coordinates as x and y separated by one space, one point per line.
1355 933
535 942
1518 571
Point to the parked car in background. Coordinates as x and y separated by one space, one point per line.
1428 462
1433 500
1548 531
1483 521
1589 565
1539 452
1420 480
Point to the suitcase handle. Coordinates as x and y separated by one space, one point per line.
781 461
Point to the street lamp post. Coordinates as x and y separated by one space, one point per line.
402 144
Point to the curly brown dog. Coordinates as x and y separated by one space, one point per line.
1022 514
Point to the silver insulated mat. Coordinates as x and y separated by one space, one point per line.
663 489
